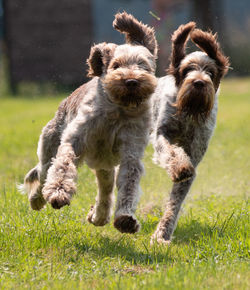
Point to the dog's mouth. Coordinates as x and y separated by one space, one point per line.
131 101
129 91
129 97
195 101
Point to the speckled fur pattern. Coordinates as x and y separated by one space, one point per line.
184 116
105 123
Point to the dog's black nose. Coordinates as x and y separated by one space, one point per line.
199 84
131 83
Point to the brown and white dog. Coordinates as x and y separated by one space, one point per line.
184 112
104 123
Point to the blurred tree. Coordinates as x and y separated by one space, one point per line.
210 15
1 19
169 14
1 27
47 41
203 13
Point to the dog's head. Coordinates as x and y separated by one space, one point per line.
127 71
197 74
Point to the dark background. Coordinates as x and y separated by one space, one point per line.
49 41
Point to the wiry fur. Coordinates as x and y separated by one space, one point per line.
184 112
179 40
209 44
104 123
136 32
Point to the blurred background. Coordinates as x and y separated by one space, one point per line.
46 43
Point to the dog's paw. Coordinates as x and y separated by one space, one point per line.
37 202
58 198
95 219
182 173
158 238
127 224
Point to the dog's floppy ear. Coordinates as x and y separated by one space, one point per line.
207 42
179 40
99 58
136 32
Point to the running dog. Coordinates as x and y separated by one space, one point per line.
104 123
184 113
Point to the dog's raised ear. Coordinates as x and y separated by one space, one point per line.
136 32
207 42
99 58
179 40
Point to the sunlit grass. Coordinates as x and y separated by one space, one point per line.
60 250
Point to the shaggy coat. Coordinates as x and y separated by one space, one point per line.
104 123
184 112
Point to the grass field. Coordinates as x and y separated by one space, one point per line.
60 250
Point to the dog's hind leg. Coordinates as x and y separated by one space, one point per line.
100 213
169 220
47 148
32 186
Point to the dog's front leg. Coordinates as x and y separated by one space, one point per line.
128 179
61 179
99 214
169 220
174 159
60 184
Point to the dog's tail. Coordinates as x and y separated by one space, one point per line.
31 182
179 40
207 42
136 32
32 186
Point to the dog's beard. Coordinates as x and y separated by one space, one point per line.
119 93
196 103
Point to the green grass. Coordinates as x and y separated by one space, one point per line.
60 250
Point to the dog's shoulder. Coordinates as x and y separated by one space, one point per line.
164 96
72 103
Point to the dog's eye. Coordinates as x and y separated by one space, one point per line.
186 71
144 65
115 65
147 68
211 74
